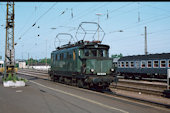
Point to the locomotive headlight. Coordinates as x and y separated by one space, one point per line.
92 70
112 70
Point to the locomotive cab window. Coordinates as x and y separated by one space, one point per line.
86 52
94 52
103 53
163 63
156 64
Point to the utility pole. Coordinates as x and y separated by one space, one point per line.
28 60
9 42
146 41
46 54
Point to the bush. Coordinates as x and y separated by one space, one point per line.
14 78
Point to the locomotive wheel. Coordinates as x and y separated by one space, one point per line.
60 80
80 84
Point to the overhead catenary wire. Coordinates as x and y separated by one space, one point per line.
38 20
87 11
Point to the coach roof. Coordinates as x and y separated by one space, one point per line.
146 57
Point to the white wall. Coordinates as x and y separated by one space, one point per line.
22 64
40 67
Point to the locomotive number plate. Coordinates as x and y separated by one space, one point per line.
101 73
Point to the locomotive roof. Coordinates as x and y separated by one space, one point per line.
81 44
146 57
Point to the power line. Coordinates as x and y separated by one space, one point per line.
38 20
87 11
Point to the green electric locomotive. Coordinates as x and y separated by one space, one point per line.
85 64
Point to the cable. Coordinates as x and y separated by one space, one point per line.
87 10
38 19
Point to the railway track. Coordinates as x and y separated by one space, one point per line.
152 88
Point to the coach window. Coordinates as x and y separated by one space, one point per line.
156 63
149 64
169 63
131 64
163 63
137 64
143 64
127 64
122 64
118 64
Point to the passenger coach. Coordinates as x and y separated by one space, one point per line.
152 65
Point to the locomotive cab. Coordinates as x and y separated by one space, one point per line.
95 58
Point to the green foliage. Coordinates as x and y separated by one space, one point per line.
41 61
14 78
17 65
117 55
44 61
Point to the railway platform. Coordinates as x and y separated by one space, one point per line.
42 96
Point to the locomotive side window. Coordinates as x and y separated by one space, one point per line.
74 55
127 64
70 55
163 63
65 56
51 58
122 64
131 64
156 63
55 57
149 64
61 56
143 64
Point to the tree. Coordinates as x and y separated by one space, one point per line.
117 55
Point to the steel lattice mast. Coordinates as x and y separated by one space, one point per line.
9 42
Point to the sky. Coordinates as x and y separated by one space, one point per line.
122 22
